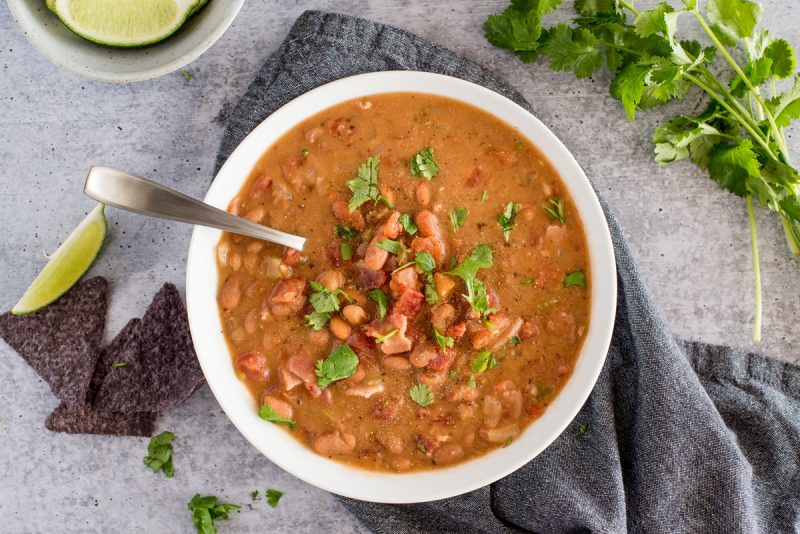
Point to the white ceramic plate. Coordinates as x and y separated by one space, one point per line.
284 450
56 42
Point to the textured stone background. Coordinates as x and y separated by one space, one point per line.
690 238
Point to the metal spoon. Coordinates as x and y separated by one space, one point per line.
139 195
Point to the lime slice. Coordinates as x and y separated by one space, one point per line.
124 23
67 264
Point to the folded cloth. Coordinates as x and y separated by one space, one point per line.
681 437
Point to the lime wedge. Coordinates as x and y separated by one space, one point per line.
67 264
124 23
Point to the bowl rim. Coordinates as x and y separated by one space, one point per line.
349 481
31 34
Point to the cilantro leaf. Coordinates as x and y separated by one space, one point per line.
471 382
408 224
575 278
591 8
444 342
381 299
508 441
324 303
389 245
205 510
483 361
273 496
757 72
159 453
384 337
583 426
345 232
514 340
731 165
554 207
781 53
734 18
268 413
786 107
458 217
117 365
652 22
628 87
317 320
480 258
254 495
340 364
423 164
516 30
574 50
425 262
421 394
365 185
346 251
507 218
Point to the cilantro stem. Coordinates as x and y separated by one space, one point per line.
743 113
629 7
756 268
735 66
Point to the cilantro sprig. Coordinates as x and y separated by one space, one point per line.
467 270
268 413
507 218
365 185
206 510
324 303
421 394
159 454
423 164
340 364
738 140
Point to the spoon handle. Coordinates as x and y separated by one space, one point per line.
139 195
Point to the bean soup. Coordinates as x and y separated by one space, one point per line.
442 297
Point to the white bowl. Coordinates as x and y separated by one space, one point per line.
54 40
291 455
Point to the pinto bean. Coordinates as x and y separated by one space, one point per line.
392 443
428 224
433 379
355 314
281 407
463 392
332 280
500 434
466 411
396 363
492 410
319 338
421 355
375 257
432 245
448 454
339 328
342 213
400 463
334 443
256 214
392 226
251 322
423 194
403 279
442 316
231 293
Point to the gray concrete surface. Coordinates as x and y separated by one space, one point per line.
690 238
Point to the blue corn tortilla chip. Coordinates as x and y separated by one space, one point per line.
162 369
62 341
88 420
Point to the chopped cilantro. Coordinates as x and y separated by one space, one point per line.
554 207
187 75
317 320
304 152
386 336
575 278
391 246
453 373
471 382
425 262
431 296
205 510
408 224
421 394
268 413
483 362
340 364
273 496
159 453
480 258
345 232
381 299
528 282
514 340
507 218
484 196
518 146
365 185
509 439
444 342
117 365
458 217
347 251
254 495
583 426
324 303
423 164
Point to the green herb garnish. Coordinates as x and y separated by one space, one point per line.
117 365
453 373
324 303
507 218
347 251
528 282
583 426
423 164
444 342
508 441
514 340
304 152
554 207
471 382
421 394
159 454
575 278
458 217
187 75
425 262
268 413
383 338
205 510
273 496
484 196
340 364
365 185
381 299
480 258
391 246
345 232
483 361
408 224
738 140
254 495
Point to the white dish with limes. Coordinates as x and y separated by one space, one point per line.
114 41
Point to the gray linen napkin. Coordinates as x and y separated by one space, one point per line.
682 437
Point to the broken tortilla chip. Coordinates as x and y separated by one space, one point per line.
88 420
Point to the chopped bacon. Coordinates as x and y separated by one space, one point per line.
333 253
476 177
457 330
355 220
288 378
254 365
442 360
367 278
388 409
263 183
409 303
361 343
425 445
504 327
302 366
291 256
398 342
287 296
403 279
432 245
528 331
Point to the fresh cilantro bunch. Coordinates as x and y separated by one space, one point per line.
738 140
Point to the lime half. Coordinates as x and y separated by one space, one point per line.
67 264
124 22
